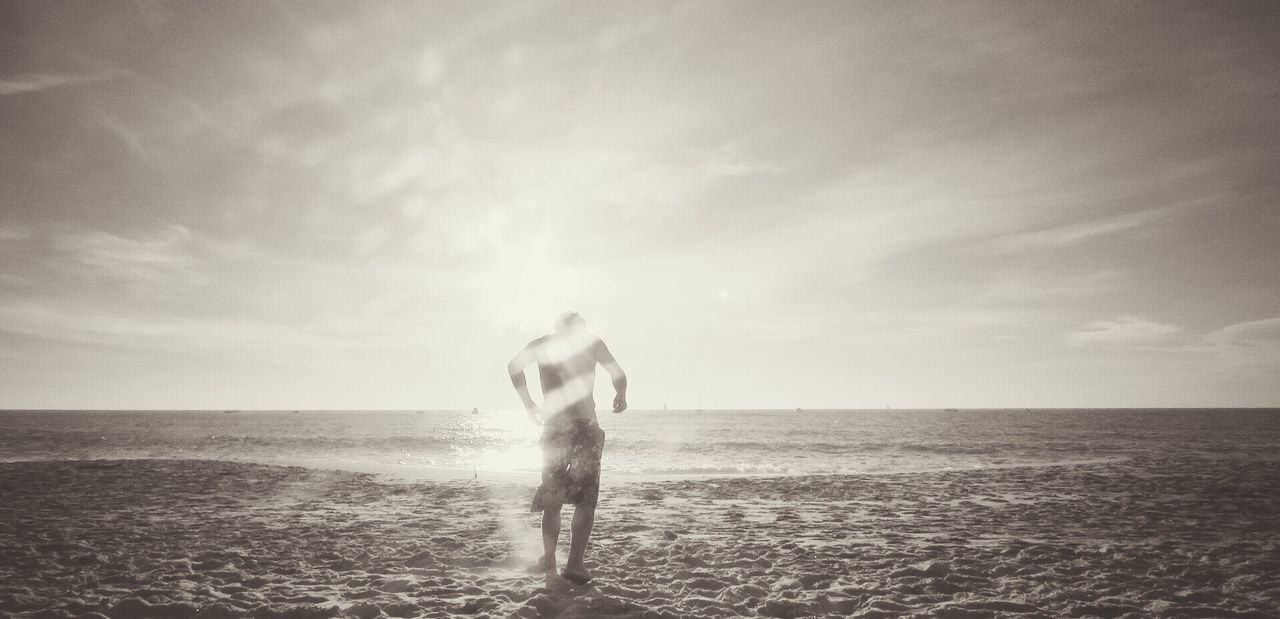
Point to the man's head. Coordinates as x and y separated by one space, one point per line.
569 321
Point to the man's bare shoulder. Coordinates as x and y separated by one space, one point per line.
533 352
601 349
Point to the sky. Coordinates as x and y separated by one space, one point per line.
374 205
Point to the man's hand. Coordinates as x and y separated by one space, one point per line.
535 415
619 403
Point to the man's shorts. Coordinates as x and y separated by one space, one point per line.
571 450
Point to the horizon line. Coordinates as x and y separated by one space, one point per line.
691 410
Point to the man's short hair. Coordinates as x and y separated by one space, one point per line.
570 320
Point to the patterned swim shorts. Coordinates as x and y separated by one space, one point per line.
571 450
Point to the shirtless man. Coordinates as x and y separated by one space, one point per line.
572 440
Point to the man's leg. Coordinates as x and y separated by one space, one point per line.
551 536
587 457
584 518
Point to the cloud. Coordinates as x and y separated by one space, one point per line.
1065 236
1247 333
33 82
223 337
154 13
1044 285
14 280
99 248
131 138
160 263
1121 331
14 232
1248 342
726 162
1244 353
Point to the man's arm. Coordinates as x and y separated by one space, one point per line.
605 358
515 369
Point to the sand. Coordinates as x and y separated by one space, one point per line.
166 538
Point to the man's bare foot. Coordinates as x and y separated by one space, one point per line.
544 566
576 575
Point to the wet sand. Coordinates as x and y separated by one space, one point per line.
166 538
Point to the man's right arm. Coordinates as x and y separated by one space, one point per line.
515 369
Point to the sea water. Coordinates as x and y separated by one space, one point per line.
647 443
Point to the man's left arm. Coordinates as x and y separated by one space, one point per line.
605 358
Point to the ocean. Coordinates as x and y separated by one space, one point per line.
640 443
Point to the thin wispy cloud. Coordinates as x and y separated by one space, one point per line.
1252 346
14 233
243 340
158 264
1252 331
1121 331
35 82
1046 285
1072 234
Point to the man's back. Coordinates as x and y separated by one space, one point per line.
566 363
567 370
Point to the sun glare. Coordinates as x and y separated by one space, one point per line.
511 459
501 441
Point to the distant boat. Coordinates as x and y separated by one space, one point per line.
475 411
950 410
664 406
229 411
799 410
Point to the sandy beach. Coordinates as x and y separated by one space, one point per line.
178 538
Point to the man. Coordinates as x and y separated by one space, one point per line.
572 440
